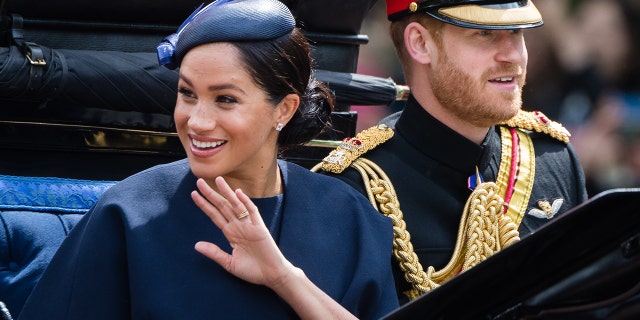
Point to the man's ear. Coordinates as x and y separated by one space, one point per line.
287 108
419 43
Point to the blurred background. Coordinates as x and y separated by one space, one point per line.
583 72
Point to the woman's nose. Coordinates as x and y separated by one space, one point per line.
201 118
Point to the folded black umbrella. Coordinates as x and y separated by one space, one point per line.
360 89
124 81
110 80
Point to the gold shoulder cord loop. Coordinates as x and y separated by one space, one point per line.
384 198
484 229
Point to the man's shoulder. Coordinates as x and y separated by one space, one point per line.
390 120
538 124
353 148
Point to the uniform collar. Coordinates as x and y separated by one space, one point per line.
434 139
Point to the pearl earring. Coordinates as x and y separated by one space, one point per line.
279 126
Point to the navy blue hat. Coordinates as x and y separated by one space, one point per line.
479 14
226 20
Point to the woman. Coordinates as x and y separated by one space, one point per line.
245 90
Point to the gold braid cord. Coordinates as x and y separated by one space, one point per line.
483 230
487 229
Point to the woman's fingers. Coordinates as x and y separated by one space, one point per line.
251 207
217 207
237 208
214 253
209 209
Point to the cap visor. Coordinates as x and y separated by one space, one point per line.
493 17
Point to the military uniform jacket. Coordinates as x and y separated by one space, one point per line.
429 165
132 256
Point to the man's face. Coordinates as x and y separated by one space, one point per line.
479 74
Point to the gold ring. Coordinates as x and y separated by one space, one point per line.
242 214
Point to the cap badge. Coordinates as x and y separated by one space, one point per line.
413 6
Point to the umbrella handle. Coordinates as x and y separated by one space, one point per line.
402 92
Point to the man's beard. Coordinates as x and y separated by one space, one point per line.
465 98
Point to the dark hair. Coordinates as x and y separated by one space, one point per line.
283 66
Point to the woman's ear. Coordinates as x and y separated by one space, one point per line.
419 43
287 108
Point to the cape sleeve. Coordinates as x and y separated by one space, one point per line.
87 277
372 292
351 243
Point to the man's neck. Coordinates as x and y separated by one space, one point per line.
442 114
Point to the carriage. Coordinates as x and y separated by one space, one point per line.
85 104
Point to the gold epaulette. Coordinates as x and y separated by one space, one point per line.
351 148
538 122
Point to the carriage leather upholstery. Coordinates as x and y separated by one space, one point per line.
36 214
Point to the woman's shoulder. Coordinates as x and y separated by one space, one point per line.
161 171
165 176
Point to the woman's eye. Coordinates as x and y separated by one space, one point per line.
186 92
226 99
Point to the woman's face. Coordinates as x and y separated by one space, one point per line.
224 120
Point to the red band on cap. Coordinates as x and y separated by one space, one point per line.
395 6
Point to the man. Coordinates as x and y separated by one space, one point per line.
462 171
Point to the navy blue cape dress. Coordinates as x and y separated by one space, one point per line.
132 256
